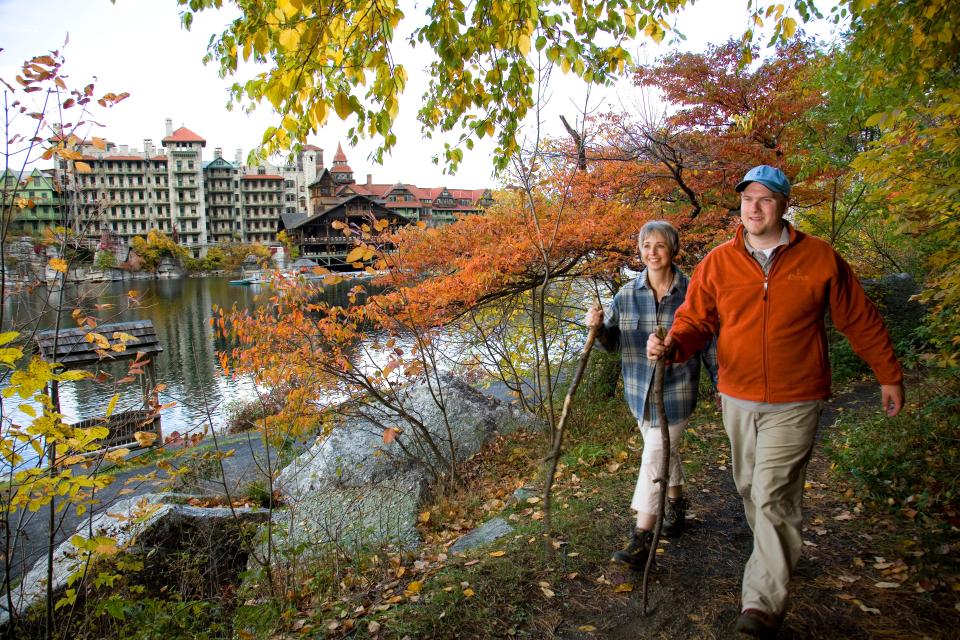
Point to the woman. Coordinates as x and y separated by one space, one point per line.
637 310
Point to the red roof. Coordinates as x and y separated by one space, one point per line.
184 135
341 168
311 147
261 176
340 156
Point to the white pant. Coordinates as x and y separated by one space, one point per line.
646 496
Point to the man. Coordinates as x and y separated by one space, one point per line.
764 294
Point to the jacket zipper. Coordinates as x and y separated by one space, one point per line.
763 321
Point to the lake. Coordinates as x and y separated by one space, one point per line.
180 310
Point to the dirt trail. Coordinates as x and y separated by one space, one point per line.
695 588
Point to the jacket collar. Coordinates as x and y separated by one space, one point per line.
740 240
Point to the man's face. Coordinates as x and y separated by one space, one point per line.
761 211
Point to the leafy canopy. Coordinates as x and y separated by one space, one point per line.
337 56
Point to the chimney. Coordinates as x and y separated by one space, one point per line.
218 153
124 149
238 158
169 127
369 179
148 147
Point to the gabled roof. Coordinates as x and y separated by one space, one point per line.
184 135
325 172
337 205
291 220
311 147
219 162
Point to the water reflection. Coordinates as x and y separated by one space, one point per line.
180 310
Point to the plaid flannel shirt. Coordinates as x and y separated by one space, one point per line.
630 319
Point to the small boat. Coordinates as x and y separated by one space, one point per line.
244 282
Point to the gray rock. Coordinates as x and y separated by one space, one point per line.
353 488
135 524
355 453
486 533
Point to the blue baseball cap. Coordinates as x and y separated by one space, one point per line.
770 177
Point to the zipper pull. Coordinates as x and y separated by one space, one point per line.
765 288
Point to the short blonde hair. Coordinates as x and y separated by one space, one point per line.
665 229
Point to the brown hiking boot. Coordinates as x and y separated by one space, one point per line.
754 623
675 517
636 552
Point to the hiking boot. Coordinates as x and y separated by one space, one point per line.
675 517
754 623
635 554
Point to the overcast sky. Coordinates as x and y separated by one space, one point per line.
138 46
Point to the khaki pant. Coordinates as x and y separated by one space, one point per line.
646 495
770 455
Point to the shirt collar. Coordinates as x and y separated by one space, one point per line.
784 239
642 278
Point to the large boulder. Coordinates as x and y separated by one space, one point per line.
357 454
358 488
140 524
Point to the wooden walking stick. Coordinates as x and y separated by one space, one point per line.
664 478
558 436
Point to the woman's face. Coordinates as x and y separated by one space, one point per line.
655 252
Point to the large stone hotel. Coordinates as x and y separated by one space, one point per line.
201 203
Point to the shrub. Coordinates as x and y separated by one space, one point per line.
910 461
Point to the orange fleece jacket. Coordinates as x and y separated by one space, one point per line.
772 339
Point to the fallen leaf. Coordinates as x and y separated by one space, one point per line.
623 587
470 563
497 554
373 626
424 517
587 628
415 586
887 585
547 592
533 500
468 592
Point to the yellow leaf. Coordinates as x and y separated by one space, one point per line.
99 143
415 586
289 39
58 264
356 254
587 628
98 339
111 407
341 102
8 336
497 554
145 438
117 455
82 167
469 592
523 43
424 517
789 26
623 587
